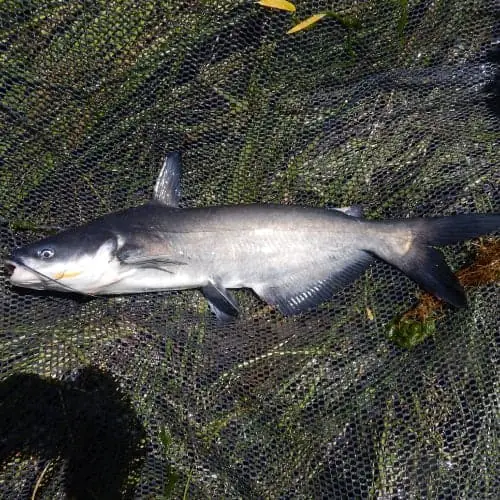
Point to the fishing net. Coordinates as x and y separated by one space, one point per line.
390 105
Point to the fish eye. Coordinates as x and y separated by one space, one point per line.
45 253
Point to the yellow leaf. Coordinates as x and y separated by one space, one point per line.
306 23
369 314
278 4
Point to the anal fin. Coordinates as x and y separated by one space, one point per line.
306 289
221 302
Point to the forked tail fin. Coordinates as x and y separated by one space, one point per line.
410 248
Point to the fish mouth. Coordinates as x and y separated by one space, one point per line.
10 267
23 275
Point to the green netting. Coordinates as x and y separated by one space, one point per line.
387 104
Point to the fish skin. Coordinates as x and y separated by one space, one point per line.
293 257
214 241
251 246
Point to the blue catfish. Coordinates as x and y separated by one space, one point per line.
292 257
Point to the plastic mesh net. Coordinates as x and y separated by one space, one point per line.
387 104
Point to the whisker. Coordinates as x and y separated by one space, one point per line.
48 278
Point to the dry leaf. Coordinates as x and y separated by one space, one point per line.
307 22
278 4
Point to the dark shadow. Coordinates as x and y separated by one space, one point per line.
84 420
493 89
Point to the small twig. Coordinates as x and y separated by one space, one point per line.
40 479
186 487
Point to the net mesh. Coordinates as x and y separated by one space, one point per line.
391 105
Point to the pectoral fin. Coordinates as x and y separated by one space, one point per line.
134 256
168 184
220 301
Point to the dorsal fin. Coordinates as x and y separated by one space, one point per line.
168 184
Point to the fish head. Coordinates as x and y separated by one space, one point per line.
75 260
